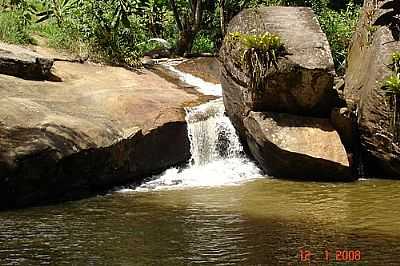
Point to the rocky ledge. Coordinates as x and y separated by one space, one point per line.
24 63
286 122
101 126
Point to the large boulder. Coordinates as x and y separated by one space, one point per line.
101 126
24 63
368 60
277 121
303 81
291 146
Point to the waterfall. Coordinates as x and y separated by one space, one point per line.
217 156
212 135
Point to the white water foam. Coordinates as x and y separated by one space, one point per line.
202 86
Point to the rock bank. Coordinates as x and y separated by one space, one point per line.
101 126
278 121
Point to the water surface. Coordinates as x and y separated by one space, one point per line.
263 222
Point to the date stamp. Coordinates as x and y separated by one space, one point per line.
338 255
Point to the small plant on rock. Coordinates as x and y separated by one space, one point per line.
259 53
396 62
392 84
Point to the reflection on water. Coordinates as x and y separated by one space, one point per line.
262 222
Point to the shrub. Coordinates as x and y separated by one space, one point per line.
203 44
339 27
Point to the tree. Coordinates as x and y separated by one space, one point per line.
188 17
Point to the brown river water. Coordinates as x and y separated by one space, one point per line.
261 222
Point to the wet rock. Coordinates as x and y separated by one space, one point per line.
298 147
102 126
370 54
302 83
24 63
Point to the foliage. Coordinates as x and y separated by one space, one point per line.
203 44
13 29
339 27
396 61
260 52
64 36
112 30
58 9
391 84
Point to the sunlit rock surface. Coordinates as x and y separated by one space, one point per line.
99 127
293 146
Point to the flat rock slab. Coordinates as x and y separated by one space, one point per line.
24 63
299 147
101 126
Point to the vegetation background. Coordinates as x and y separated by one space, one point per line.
121 31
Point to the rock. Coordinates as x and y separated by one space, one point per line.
369 55
147 62
206 68
159 53
342 120
299 147
24 63
102 126
303 82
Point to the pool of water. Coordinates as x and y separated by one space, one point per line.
261 222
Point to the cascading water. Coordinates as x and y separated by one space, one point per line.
211 134
217 154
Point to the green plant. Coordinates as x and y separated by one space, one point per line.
339 27
371 29
391 84
396 61
58 9
13 29
259 53
203 44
